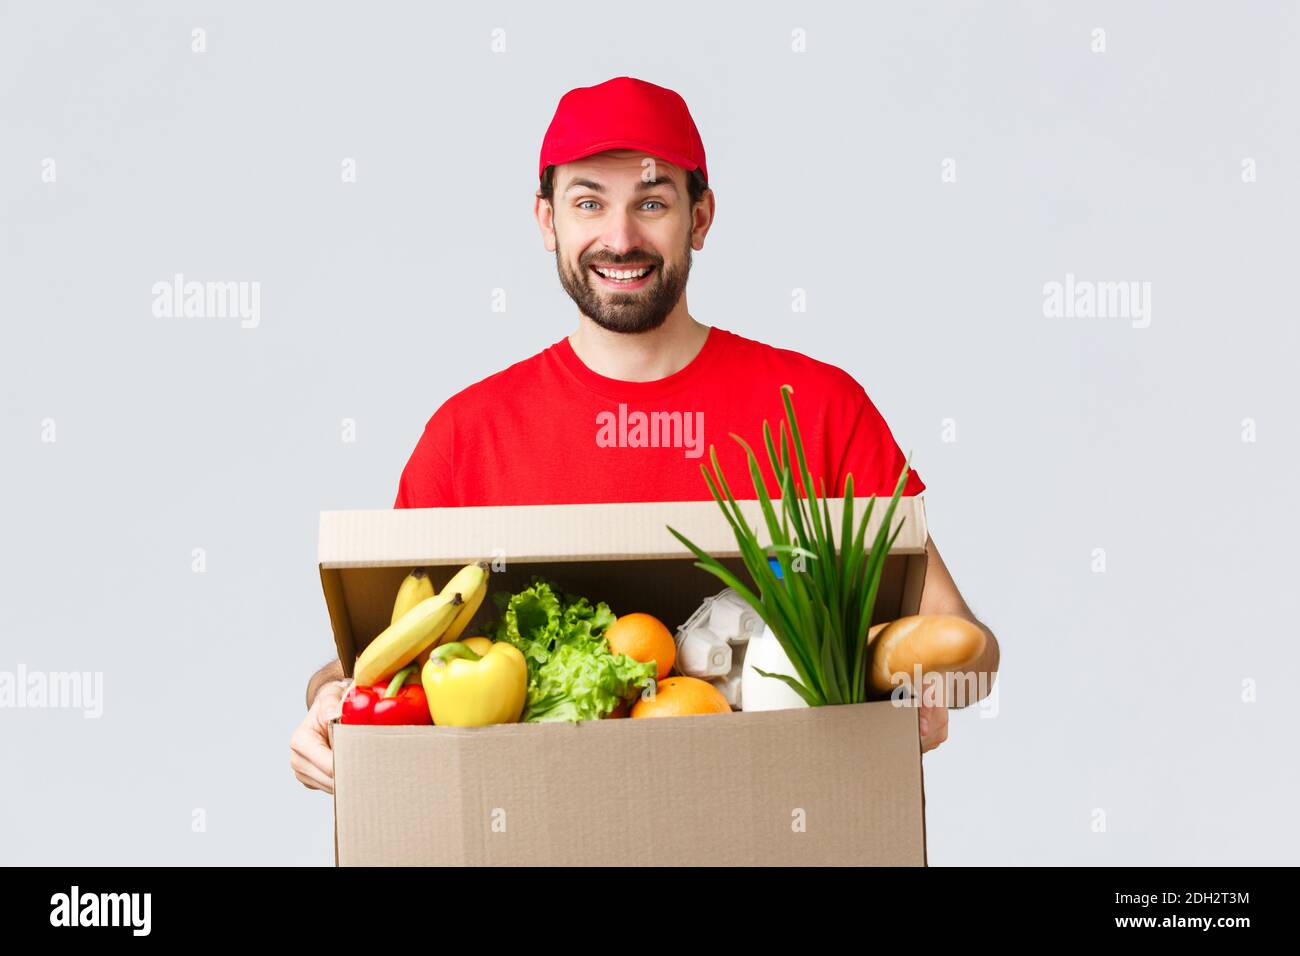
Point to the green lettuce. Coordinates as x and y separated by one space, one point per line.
572 675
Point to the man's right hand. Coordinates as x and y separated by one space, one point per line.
310 754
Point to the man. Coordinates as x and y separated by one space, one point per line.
622 202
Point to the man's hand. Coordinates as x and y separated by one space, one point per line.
934 727
933 716
310 754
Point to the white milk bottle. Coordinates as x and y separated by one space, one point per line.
767 693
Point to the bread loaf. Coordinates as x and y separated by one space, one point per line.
936 642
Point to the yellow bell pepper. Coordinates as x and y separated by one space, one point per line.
475 682
479 645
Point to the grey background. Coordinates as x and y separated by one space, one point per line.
1120 691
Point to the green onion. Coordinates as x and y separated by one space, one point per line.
820 608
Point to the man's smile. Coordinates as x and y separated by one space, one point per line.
623 277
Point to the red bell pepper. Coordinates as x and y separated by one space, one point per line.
389 702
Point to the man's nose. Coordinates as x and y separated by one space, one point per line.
621 234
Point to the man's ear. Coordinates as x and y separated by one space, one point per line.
702 214
545 215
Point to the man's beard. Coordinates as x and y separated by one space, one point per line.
632 312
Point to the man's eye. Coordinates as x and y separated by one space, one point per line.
655 202
586 201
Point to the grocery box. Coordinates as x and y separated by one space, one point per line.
836 785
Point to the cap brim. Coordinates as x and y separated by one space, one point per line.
676 159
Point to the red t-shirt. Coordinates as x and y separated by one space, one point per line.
549 430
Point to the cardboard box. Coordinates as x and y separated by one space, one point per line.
828 785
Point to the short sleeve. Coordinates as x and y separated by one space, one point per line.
426 479
873 457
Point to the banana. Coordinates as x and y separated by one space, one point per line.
416 587
472 582
401 643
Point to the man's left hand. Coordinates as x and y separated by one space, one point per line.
934 727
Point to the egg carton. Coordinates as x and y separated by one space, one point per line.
711 644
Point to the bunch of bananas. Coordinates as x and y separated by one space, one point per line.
422 620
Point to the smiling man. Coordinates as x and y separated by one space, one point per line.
623 408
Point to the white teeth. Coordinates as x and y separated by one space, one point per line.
623 275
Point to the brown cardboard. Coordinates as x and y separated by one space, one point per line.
829 785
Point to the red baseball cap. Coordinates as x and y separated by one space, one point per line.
623 113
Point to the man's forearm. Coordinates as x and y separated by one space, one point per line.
331 671
984 670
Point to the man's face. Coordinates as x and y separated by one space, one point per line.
611 216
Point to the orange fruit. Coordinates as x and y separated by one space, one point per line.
681 696
643 638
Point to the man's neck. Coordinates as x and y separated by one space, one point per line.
643 356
